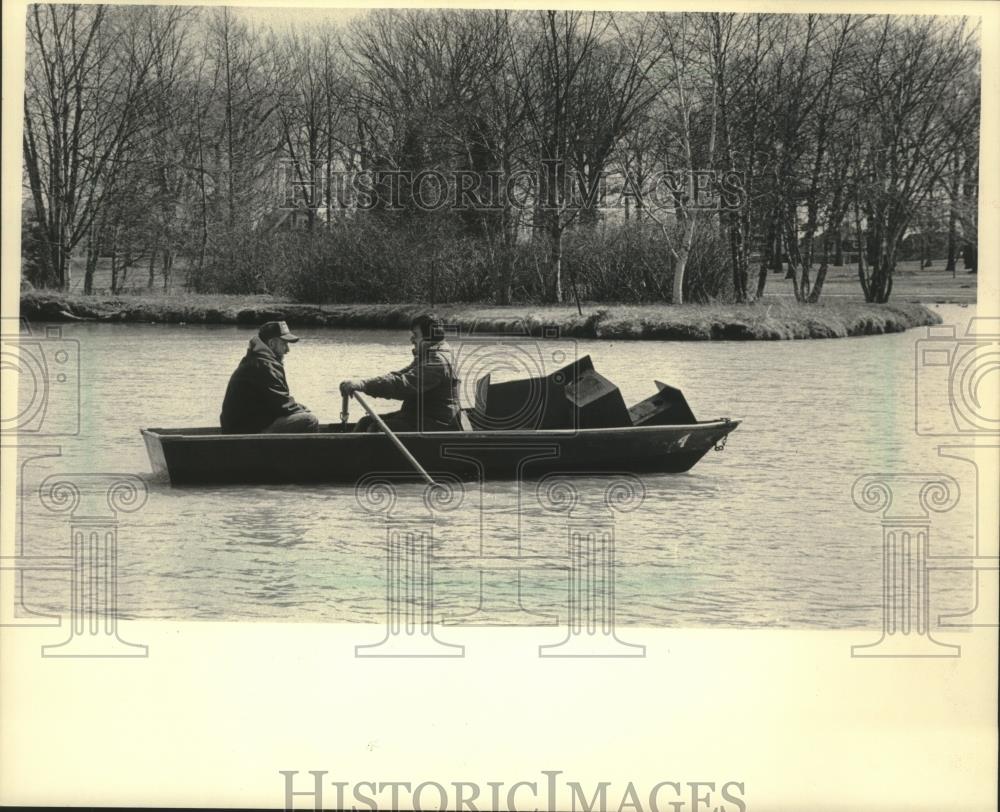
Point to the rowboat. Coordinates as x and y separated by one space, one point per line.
203 456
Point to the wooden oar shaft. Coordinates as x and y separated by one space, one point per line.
398 443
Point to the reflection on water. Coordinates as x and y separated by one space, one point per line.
764 534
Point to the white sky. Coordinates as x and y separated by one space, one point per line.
281 17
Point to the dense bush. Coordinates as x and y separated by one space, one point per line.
387 258
383 259
33 266
709 274
237 261
631 262
619 263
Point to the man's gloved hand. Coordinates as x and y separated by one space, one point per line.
349 386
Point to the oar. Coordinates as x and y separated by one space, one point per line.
388 432
345 411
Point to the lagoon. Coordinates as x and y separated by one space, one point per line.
764 534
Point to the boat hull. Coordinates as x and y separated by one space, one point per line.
202 456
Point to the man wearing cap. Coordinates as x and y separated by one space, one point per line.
257 399
428 387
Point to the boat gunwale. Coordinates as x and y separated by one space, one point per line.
721 422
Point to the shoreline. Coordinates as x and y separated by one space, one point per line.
762 321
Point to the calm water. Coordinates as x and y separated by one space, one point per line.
762 534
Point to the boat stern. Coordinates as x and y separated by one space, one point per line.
154 448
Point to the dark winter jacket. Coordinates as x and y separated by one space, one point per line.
428 387
257 394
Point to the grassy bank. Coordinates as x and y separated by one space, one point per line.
768 320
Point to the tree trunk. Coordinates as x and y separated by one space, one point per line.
882 258
556 234
737 250
684 251
88 273
798 268
126 264
777 250
114 262
953 217
152 267
576 293
951 263
875 252
860 241
63 267
168 262
761 278
817 288
970 256
203 245
680 265
91 263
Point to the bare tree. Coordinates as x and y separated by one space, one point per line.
248 140
166 176
585 80
484 118
690 120
547 57
907 81
86 105
739 47
310 114
814 121
962 179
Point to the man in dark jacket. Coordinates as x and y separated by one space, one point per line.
428 387
257 398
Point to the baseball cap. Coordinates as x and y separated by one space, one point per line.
276 329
